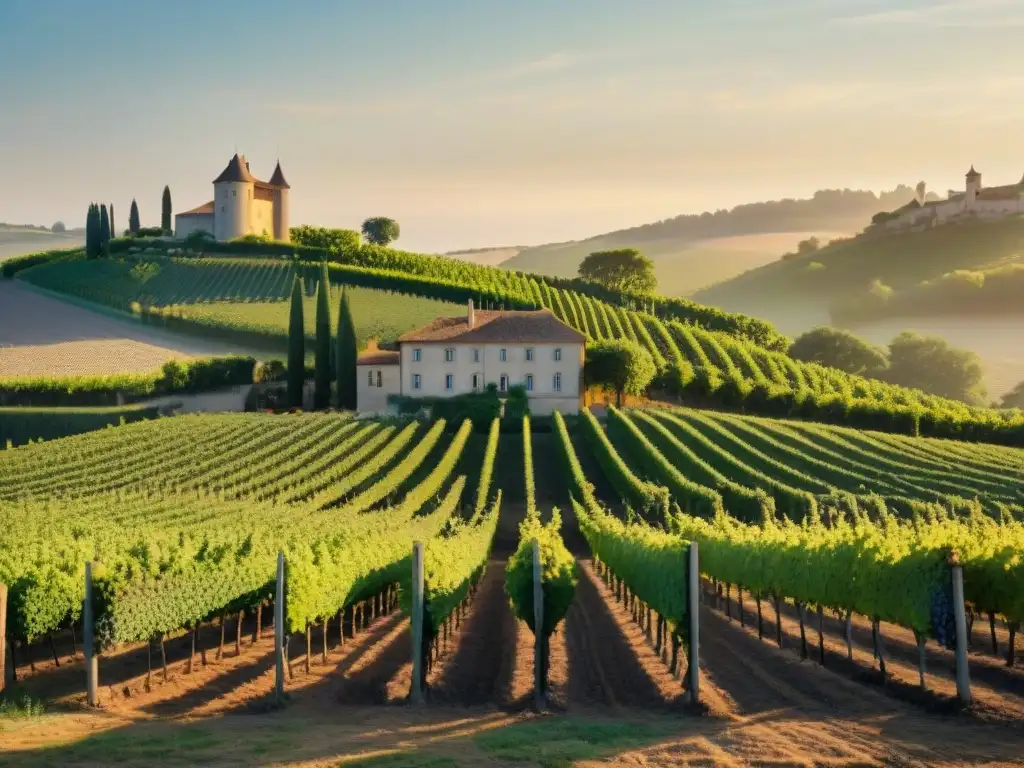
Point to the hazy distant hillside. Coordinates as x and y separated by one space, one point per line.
491 257
695 250
899 260
17 241
799 293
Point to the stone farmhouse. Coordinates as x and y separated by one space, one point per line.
975 201
458 355
242 205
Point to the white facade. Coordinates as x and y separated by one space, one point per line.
186 225
460 355
550 372
374 383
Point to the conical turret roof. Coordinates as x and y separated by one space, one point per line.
236 171
278 179
972 173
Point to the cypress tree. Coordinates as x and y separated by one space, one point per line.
165 211
113 229
133 218
345 357
322 378
104 237
296 347
91 232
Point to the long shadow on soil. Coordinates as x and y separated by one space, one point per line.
123 666
480 671
603 667
836 660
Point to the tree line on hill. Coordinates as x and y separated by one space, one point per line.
100 228
839 208
927 363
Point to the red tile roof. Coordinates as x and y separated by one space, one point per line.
203 210
495 327
278 180
237 170
378 357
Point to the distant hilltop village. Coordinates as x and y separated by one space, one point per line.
975 201
242 205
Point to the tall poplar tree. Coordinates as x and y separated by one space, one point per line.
165 211
92 232
113 229
296 347
322 376
104 229
345 357
133 218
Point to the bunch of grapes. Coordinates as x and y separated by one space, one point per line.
943 619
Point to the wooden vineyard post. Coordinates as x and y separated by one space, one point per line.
3 636
416 691
538 629
963 680
89 641
279 631
693 609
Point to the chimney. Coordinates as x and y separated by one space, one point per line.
471 315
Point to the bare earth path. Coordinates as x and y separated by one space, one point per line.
618 705
40 335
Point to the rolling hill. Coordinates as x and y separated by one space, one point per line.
17 241
681 266
692 251
800 293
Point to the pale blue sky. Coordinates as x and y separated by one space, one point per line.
486 122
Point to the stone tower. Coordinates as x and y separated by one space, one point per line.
232 199
973 187
281 187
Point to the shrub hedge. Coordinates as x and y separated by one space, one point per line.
18 426
972 425
174 377
12 266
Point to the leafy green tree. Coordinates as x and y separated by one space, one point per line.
322 376
622 269
104 235
345 356
623 367
133 218
930 364
58 227
113 229
810 245
381 230
165 211
839 349
296 347
1014 398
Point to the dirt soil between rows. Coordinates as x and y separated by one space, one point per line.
761 705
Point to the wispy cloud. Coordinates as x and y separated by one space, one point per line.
518 73
951 13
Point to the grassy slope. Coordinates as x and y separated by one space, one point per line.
682 266
214 295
